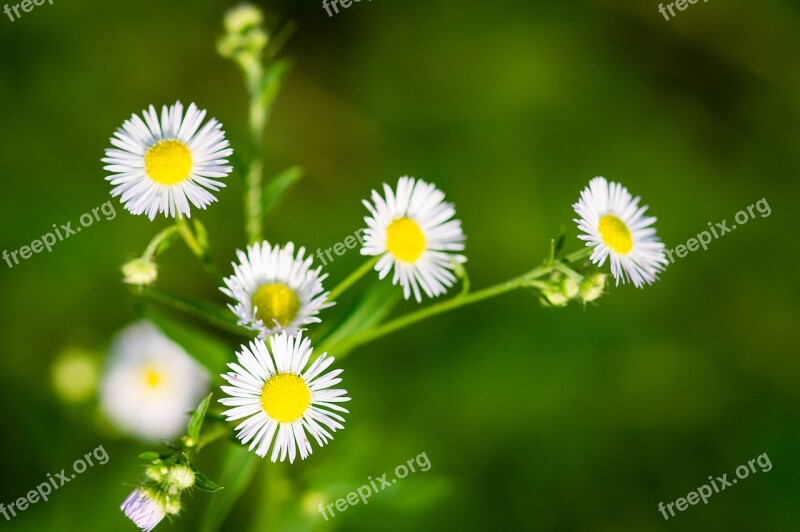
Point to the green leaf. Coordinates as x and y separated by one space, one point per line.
279 185
214 314
208 351
199 416
272 82
203 483
150 456
201 233
371 310
167 241
239 466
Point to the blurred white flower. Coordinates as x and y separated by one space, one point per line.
150 384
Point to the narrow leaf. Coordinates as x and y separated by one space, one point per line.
279 185
196 422
204 483
150 456
371 310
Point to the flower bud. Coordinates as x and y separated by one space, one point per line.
592 286
173 506
141 272
156 472
181 477
242 17
560 291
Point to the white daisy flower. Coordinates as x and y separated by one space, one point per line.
616 227
144 508
162 165
413 231
150 384
279 400
276 290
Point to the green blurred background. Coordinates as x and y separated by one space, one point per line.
532 418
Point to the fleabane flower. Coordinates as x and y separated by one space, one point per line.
276 289
150 384
280 400
413 231
617 228
145 508
162 165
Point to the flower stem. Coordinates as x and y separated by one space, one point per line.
201 252
442 307
257 117
353 278
165 235
581 254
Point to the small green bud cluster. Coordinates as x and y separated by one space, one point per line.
563 287
245 37
165 482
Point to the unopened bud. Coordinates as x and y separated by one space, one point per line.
593 286
173 506
141 272
242 17
181 477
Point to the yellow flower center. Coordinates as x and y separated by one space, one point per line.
615 234
152 378
168 162
405 240
285 397
275 302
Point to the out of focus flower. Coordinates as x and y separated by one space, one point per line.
280 399
413 231
74 375
150 383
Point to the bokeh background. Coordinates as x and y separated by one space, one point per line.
532 418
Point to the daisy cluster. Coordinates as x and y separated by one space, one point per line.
164 165
283 395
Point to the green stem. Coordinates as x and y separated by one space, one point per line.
353 278
254 189
194 310
199 251
581 254
440 308
165 235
